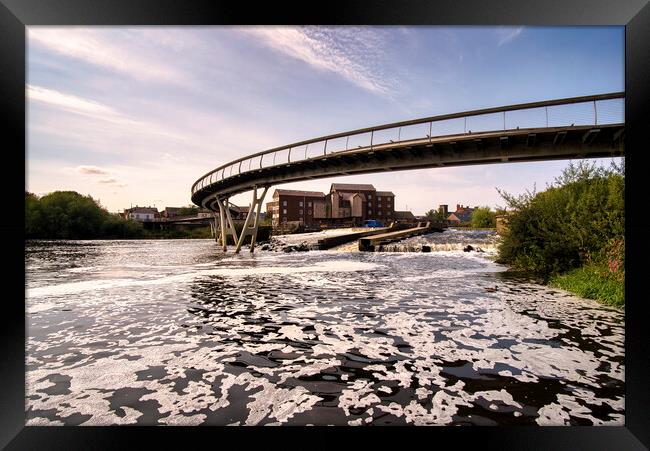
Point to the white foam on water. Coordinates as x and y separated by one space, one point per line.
88 285
41 307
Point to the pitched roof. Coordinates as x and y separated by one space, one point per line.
385 193
464 215
292 192
351 187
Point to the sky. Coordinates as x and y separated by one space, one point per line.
135 115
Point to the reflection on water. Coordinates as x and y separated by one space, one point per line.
174 332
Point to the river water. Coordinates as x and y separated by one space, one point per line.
175 332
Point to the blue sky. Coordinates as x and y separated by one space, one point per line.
135 115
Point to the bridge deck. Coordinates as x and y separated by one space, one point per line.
455 150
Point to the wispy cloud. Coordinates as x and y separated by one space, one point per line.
92 170
113 182
121 123
355 54
69 102
506 35
119 52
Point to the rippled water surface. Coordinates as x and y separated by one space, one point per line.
176 332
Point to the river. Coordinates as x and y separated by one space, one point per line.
175 332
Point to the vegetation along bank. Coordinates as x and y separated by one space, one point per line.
573 233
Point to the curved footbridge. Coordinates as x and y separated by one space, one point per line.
577 127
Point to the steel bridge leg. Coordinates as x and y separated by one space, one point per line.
227 227
252 230
230 225
257 219
222 223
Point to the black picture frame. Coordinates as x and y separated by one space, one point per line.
16 15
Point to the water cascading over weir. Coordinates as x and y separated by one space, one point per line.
577 127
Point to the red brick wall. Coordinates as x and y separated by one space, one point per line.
293 209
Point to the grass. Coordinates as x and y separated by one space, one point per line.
593 282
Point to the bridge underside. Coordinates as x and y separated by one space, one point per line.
520 145
468 149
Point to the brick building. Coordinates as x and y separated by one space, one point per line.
461 215
345 203
170 212
305 207
360 201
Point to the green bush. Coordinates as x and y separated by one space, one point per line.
435 215
483 218
567 225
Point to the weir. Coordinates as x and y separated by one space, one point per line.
369 244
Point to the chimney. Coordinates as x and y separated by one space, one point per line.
458 207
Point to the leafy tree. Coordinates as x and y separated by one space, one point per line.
117 227
483 217
70 215
434 215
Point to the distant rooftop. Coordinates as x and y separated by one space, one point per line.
385 193
291 192
351 187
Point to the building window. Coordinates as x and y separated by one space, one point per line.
284 211
299 212
300 204
309 212
369 196
309 204
379 205
379 198
284 203
369 204
379 213
369 212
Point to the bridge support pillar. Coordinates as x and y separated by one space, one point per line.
227 226
248 228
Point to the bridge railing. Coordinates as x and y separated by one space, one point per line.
599 109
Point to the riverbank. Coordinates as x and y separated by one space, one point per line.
593 282
573 233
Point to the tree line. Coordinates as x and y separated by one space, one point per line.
482 217
70 215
